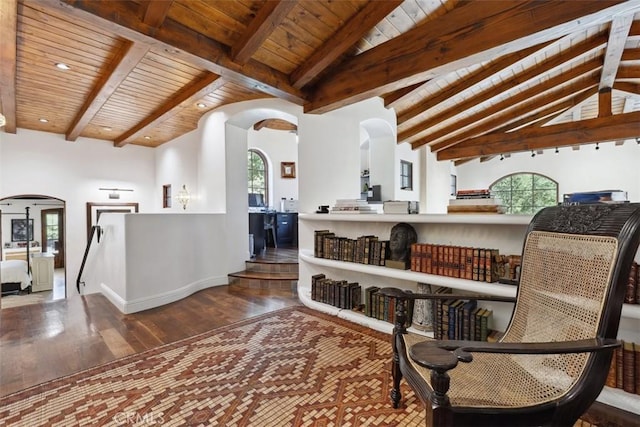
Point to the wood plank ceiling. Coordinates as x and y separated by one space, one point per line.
468 79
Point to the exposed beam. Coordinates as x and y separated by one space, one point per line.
628 72
186 96
270 15
631 55
8 51
585 89
451 43
615 46
397 96
510 83
344 39
117 16
627 87
155 12
536 118
525 95
470 80
601 129
604 102
123 63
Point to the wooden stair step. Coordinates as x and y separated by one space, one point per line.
262 275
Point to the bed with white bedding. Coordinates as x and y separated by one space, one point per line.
15 276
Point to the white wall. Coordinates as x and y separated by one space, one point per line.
147 260
41 163
610 167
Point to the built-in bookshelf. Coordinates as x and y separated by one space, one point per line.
505 232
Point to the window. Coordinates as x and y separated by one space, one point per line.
406 175
525 193
454 185
257 174
166 196
52 231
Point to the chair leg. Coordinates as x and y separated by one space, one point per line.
396 375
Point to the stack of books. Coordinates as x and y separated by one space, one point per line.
400 207
352 206
475 201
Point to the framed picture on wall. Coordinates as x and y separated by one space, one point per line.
94 210
19 230
287 169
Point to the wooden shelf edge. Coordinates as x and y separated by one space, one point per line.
497 219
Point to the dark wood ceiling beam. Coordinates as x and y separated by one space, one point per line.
346 36
536 118
514 81
155 12
601 129
604 102
270 15
618 33
451 43
117 16
529 93
470 80
627 87
523 109
8 52
628 72
397 96
631 55
183 99
585 89
123 63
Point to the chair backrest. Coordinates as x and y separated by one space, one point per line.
575 267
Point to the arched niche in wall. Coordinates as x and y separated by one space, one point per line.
377 156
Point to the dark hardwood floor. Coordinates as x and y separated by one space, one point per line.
41 342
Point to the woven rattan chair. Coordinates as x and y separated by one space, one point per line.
553 359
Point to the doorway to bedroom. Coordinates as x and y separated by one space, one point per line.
32 234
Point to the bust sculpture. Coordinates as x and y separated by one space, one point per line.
402 237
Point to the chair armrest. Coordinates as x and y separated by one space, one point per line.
423 354
402 294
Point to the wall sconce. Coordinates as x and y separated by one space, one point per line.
114 192
183 196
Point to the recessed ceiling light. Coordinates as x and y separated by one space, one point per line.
62 66
201 105
147 137
43 120
107 128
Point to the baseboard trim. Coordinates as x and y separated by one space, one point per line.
152 301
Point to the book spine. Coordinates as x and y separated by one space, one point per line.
612 375
628 368
619 369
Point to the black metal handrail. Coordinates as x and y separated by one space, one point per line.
97 231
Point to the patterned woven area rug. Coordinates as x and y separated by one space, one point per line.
292 367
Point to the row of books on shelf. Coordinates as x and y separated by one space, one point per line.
452 319
460 319
338 293
480 264
367 249
632 296
624 372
